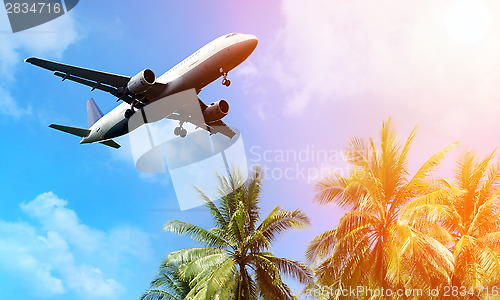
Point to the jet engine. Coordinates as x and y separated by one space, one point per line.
216 111
141 82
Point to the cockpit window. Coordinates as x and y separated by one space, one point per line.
230 35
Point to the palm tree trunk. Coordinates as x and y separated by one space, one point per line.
243 293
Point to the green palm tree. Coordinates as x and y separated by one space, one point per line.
374 245
473 220
168 284
234 261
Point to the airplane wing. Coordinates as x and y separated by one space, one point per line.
108 82
96 76
221 127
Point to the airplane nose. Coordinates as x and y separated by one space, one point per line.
251 40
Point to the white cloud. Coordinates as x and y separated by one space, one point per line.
20 249
54 216
48 40
89 281
247 69
10 107
248 74
55 258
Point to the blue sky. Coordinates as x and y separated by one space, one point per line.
80 222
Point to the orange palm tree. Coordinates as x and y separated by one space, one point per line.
373 245
473 221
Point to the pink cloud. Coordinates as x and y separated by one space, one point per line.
389 58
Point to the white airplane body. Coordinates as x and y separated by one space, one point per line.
198 70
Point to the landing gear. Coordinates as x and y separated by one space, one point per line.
136 103
225 81
179 131
128 113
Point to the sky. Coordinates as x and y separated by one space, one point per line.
81 222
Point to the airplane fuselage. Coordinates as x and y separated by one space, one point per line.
195 72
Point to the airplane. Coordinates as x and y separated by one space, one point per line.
214 60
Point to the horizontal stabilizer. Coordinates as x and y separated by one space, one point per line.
81 132
111 143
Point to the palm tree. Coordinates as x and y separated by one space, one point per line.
234 262
473 220
374 245
167 285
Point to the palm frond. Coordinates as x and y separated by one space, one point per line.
321 246
167 285
290 268
267 277
418 182
197 233
158 295
190 254
491 182
329 188
280 221
390 173
486 218
204 264
216 214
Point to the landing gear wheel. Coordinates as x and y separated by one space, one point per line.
128 113
177 130
225 81
183 133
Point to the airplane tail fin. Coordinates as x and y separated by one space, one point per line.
81 132
94 113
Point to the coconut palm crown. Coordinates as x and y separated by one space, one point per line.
233 261
378 243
